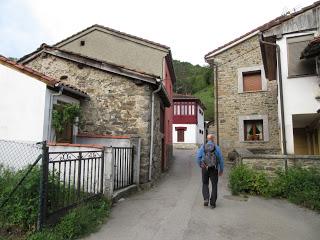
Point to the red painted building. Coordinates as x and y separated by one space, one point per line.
188 120
168 82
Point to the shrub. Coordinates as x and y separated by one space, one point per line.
298 185
245 180
78 222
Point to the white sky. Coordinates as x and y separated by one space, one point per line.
191 28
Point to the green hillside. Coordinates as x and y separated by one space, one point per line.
191 78
206 97
195 80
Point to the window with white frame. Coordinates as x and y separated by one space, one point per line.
297 66
253 128
251 79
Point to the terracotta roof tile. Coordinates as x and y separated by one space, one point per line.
40 76
92 135
75 145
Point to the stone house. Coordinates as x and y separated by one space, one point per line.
126 77
246 109
249 111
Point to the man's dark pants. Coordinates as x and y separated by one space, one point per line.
211 173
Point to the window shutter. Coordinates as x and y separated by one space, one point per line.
252 81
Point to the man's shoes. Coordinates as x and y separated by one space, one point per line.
206 203
213 206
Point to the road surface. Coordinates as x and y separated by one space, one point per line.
174 210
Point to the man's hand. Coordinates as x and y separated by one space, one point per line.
220 173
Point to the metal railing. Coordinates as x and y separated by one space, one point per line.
72 177
123 167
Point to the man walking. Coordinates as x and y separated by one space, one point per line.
210 159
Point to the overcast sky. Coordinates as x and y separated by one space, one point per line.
191 28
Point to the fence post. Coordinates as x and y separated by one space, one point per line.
79 176
132 165
102 171
43 186
286 165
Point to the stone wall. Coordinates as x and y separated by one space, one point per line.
117 105
233 104
270 163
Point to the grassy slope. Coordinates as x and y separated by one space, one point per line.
206 97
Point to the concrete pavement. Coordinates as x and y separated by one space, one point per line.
174 210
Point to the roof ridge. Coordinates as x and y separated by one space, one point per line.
115 31
102 61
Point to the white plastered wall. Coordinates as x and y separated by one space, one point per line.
298 93
22 106
190 135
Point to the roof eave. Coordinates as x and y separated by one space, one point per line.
209 56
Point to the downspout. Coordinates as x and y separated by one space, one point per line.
215 69
152 128
283 129
51 108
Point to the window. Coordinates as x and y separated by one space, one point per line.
253 130
297 66
252 79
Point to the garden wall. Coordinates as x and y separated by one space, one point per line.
270 163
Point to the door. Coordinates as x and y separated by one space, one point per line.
180 133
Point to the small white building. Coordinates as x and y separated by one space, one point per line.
27 98
188 120
300 76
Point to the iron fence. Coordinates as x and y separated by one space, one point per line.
123 167
72 177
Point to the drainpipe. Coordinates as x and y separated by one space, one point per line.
152 130
51 108
283 129
215 69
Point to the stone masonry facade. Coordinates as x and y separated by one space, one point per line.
234 105
117 105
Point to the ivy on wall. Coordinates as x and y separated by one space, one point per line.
64 115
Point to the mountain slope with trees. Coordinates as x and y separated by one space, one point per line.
195 80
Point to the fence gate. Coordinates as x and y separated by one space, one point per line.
72 177
123 167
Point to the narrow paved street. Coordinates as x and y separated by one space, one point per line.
173 210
